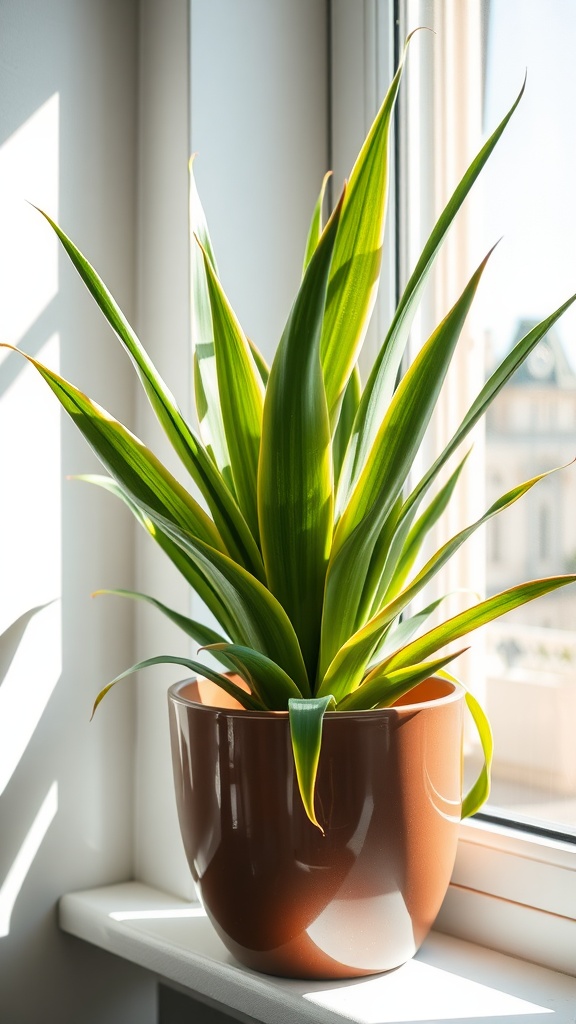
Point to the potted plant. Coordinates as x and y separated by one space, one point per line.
318 773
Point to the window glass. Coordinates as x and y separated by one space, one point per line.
527 195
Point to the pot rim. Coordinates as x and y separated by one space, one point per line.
457 693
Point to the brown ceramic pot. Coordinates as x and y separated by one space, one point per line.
284 898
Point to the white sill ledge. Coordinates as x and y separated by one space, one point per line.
449 980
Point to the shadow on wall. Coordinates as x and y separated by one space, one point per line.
16 728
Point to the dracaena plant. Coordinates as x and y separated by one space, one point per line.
309 554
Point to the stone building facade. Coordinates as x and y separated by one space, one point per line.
530 428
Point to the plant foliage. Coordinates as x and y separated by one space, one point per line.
309 555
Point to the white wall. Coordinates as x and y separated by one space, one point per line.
68 72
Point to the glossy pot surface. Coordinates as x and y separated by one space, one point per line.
284 898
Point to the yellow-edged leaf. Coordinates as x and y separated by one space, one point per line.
295 473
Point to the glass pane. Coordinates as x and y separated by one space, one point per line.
528 196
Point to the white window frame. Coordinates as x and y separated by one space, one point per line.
510 891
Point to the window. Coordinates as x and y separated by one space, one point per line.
535 271
520 853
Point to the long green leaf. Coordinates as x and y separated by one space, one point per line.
407 419
133 465
346 418
315 230
479 615
404 563
357 254
227 516
382 380
261 364
204 361
258 620
383 478
182 562
348 665
198 631
245 699
270 684
295 474
400 633
241 397
493 386
382 552
380 689
306 718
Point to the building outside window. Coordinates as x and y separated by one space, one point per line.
527 197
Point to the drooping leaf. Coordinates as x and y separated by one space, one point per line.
227 516
480 791
270 684
241 397
382 380
247 701
295 474
306 718
202 634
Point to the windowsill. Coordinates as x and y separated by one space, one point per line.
449 980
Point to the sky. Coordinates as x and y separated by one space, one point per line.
528 192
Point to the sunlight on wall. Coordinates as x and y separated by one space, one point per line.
30 467
28 251
25 857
